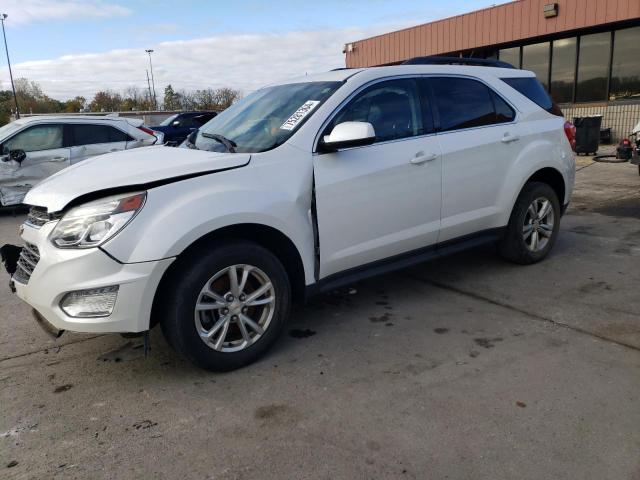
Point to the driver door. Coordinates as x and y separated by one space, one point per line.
377 201
45 155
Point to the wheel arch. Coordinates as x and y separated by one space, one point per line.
551 177
268 237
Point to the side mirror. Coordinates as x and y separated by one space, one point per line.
348 134
17 155
175 123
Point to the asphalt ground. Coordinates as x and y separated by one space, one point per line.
463 368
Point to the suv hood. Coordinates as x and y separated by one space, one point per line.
139 168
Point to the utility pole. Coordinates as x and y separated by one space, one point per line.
149 85
153 82
15 97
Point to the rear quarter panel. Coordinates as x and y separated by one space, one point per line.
544 145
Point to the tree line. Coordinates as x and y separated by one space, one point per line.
31 99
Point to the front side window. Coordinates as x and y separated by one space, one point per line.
202 119
168 121
465 103
392 107
36 138
265 119
189 122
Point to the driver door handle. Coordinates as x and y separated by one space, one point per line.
57 159
509 137
422 157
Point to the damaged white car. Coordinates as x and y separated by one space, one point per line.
33 148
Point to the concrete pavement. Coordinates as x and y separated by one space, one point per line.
463 368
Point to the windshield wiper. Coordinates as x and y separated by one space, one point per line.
229 144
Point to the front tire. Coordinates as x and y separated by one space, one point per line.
533 226
225 306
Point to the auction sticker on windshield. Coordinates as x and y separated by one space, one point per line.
306 108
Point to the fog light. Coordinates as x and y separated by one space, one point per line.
96 302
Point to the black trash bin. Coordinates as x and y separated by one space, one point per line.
587 133
605 136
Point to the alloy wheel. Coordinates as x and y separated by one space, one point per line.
539 222
235 308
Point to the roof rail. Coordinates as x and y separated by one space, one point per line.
436 60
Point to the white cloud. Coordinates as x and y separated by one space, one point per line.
242 61
22 12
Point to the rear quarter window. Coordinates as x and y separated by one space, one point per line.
531 88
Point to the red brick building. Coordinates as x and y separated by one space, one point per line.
585 52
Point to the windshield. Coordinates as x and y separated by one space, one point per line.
169 121
264 119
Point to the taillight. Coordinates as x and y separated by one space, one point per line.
570 132
147 130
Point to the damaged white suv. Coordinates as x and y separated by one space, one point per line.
296 189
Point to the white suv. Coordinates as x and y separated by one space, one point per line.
297 189
33 148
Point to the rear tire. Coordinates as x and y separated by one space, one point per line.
533 226
215 322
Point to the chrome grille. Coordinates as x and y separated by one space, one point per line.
37 217
29 258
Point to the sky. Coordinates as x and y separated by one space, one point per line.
77 47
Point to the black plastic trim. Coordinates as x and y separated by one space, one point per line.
437 60
403 260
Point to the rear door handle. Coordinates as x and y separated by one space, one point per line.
422 157
509 137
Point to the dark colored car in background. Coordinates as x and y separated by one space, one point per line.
177 127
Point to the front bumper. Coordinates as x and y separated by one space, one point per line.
60 271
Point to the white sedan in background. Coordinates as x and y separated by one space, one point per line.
34 148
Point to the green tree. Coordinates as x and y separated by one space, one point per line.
172 100
106 101
75 105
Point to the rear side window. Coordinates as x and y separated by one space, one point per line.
116 135
93 134
504 112
464 103
531 88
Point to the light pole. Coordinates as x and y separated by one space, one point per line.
15 98
155 99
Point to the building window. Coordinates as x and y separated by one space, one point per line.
563 70
625 74
593 67
536 58
510 55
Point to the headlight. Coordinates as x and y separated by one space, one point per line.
92 224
